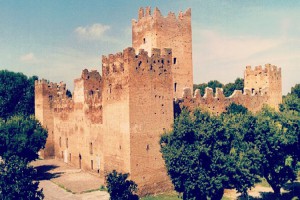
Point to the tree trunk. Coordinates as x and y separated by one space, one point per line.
276 190
275 187
218 195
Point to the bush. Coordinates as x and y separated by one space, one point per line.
119 188
17 180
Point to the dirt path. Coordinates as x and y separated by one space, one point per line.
61 181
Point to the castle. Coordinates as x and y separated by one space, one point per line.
114 120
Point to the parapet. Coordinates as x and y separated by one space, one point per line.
268 69
93 74
124 61
217 102
145 14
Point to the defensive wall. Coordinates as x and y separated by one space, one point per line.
113 121
262 86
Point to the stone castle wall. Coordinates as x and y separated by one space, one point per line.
113 121
262 86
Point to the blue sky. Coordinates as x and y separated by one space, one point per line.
57 39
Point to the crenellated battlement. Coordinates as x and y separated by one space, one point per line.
145 14
217 102
53 90
128 61
266 71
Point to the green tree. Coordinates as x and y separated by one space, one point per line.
290 102
235 108
21 136
119 188
203 157
296 90
277 139
244 157
17 180
229 88
201 87
16 94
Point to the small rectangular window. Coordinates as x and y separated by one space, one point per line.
91 148
174 61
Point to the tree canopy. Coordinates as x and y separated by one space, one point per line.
277 139
119 187
16 94
205 154
22 136
16 180
296 90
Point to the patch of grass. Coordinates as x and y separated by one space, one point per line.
63 187
88 191
103 188
164 196
226 198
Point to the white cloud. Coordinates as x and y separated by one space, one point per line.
29 58
92 32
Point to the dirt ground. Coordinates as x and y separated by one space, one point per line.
61 181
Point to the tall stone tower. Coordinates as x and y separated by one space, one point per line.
44 94
267 80
157 31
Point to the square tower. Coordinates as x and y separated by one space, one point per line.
266 79
157 31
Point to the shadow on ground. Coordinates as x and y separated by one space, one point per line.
43 172
293 190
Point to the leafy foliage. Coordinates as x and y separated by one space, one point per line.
291 102
203 157
16 180
16 94
21 136
245 159
119 187
296 90
227 88
277 139
235 108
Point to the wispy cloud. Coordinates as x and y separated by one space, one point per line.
92 32
29 58
221 47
